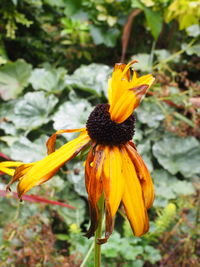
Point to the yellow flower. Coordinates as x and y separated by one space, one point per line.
113 166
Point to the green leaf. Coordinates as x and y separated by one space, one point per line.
149 113
72 115
144 148
33 110
70 216
14 78
76 175
178 155
193 50
107 37
193 30
48 79
92 78
154 21
143 62
27 151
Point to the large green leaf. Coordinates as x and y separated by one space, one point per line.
177 154
149 113
92 78
107 37
168 187
14 78
27 151
33 110
72 115
48 79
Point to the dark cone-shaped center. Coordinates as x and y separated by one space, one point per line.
104 131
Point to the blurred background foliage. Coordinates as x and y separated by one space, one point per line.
55 59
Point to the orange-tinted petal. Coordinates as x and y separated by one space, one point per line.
19 172
133 199
52 139
113 184
143 174
44 169
93 181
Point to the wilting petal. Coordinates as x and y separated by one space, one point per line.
113 184
52 139
143 174
44 169
133 199
93 182
19 172
7 166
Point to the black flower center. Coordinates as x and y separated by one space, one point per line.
104 131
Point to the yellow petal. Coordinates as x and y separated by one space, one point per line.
143 174
125 93
7 170
19 172
133 200
44 169
113 182
113 185
52 139
6 166
11 164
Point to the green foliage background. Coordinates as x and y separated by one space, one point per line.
56 57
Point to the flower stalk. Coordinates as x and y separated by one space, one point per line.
98 234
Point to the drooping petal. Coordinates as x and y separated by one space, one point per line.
8 167
93 182
143 174
133 199
52 139
19 172
44 169
113 185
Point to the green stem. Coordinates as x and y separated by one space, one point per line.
98 233
87 255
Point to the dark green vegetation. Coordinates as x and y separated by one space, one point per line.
44 87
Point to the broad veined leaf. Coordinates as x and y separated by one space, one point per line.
48 79
33 110
72 115
92 78
14 78
177 154
149 113
27 151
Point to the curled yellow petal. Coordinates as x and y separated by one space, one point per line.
44 169
52 139
125 93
